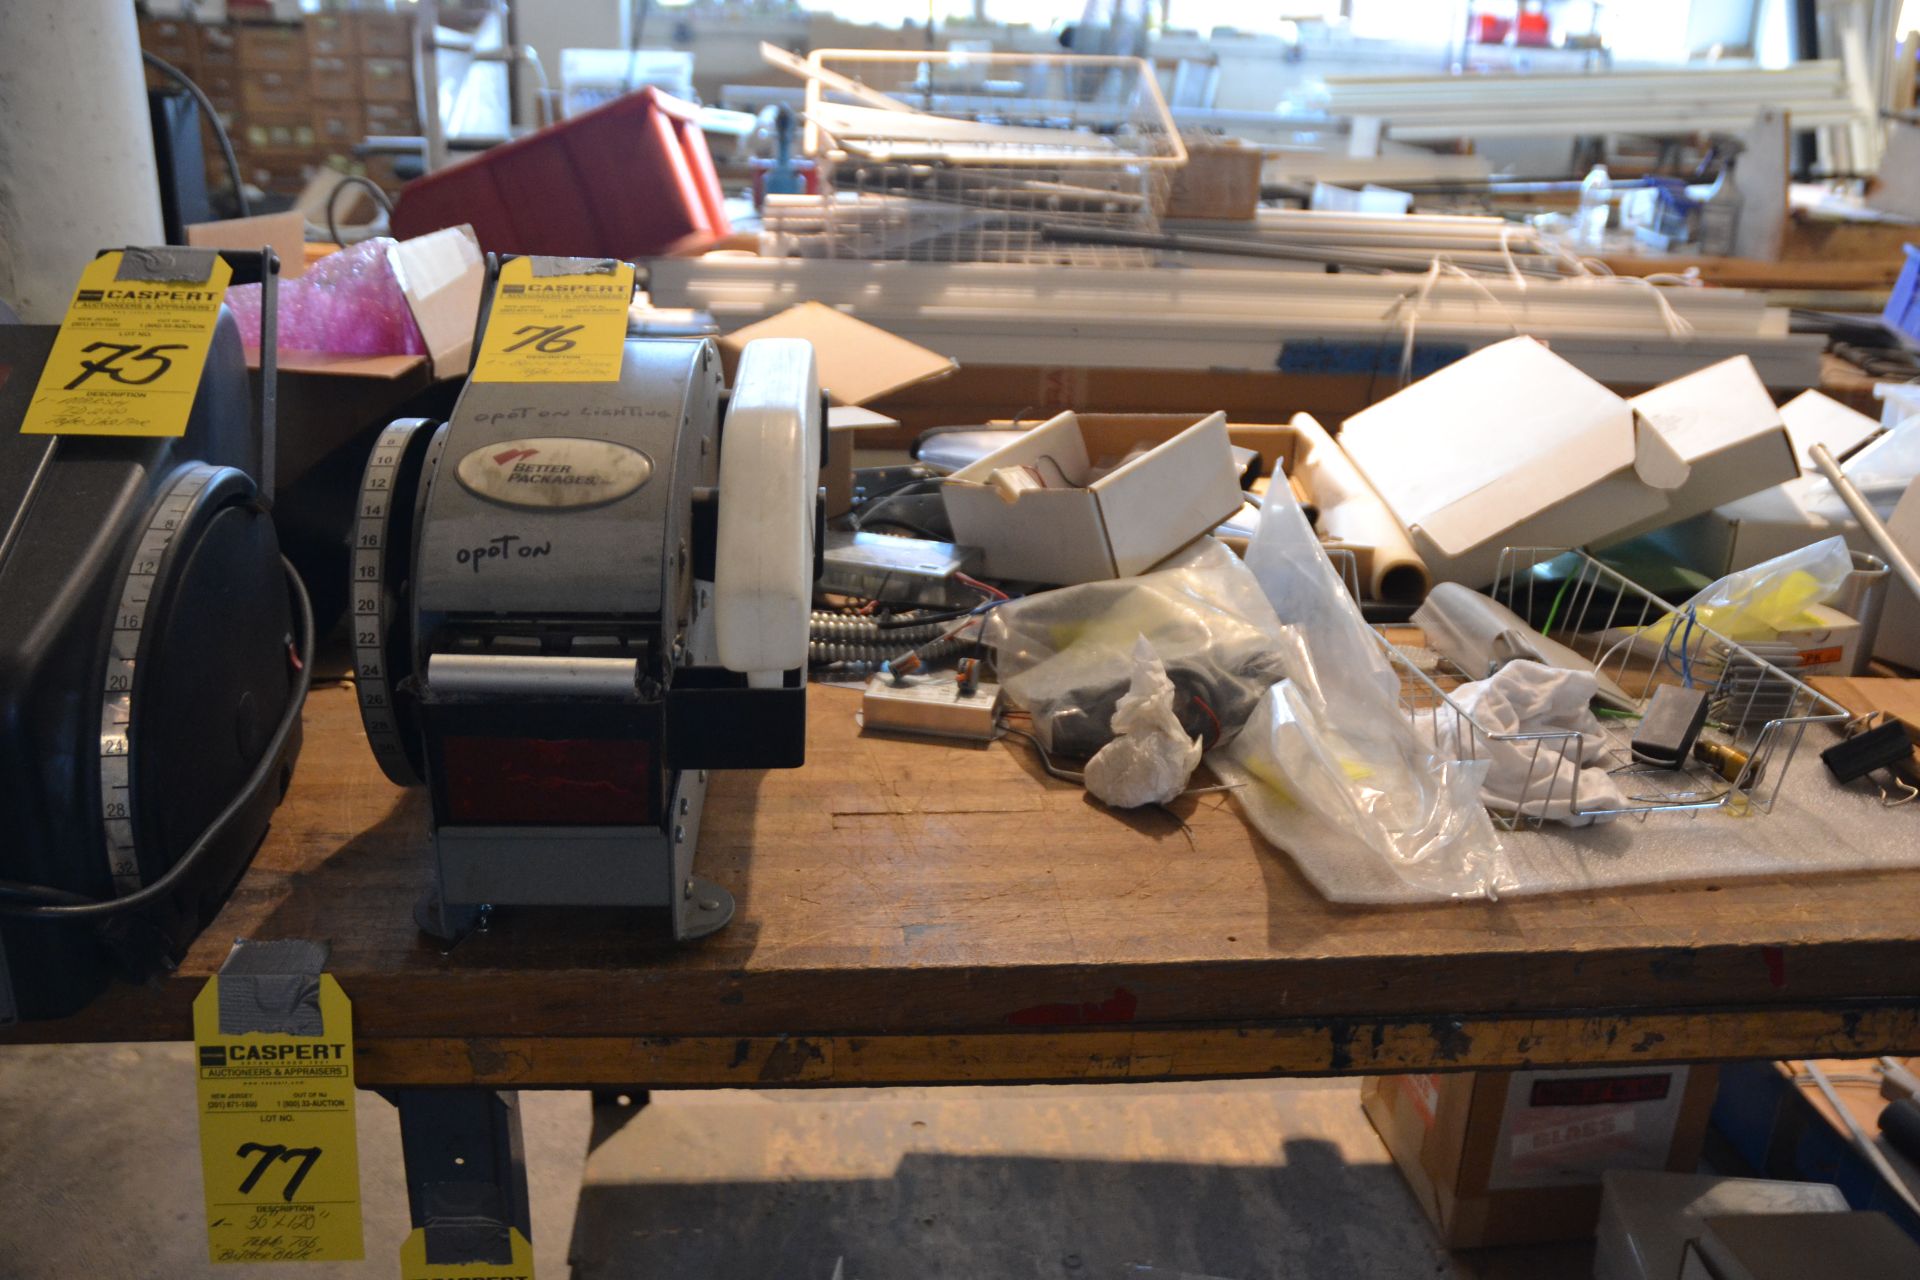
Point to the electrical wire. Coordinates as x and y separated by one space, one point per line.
350 180
921 486
59 904
186 82
1686 653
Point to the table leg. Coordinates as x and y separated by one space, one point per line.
466 1171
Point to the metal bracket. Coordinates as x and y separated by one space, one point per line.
466 1172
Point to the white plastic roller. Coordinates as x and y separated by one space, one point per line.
769 475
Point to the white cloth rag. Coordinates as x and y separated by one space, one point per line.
1548 777
1151 757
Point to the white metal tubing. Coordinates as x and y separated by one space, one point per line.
1002 314
76 146
1870 521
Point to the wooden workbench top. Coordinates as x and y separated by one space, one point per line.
911 910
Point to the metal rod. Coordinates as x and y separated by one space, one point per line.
1183 242
1863 512
1862 1141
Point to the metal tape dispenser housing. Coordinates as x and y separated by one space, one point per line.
154 652
574 599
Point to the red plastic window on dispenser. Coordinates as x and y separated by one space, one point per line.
571 782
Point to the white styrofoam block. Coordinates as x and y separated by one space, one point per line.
1646 1218
769 472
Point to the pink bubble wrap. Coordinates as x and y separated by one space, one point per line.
348 303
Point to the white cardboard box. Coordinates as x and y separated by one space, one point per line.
1515 447
1812 417
1722 422
1511 446
1120 524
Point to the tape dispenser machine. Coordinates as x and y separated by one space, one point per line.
571 601
150 679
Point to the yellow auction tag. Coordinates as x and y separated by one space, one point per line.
414 1264
277 1140
128 357
555 328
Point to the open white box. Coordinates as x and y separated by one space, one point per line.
1120 524
1514 446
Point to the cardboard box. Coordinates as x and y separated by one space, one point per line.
1220 180
1515 1157
1510 446
386 79
1082 529
1723 424
1352 516
271 48
1813 417
858 363
1514 447
285 232
325 399
1820 641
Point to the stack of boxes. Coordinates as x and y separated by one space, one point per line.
295 96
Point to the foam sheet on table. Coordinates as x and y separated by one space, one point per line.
1815 827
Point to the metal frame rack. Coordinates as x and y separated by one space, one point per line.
1638 642
968 156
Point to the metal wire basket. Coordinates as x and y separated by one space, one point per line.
1757 713
971 157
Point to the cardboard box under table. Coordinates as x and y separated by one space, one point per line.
1515 1157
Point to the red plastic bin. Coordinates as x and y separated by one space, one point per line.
630 179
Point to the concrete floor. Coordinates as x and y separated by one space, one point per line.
1255 1180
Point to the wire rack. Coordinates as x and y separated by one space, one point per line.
973 157
1757 713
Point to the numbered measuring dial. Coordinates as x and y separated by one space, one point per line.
391 499
203 550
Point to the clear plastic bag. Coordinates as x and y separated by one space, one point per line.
1067 656
1330 739
1759 602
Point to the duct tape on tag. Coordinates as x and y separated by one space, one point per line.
167 264
544 266
273 1038
417 1264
